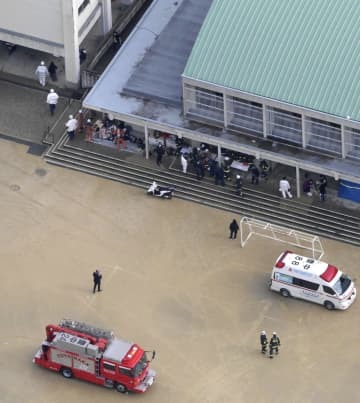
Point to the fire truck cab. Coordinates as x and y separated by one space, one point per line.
79 350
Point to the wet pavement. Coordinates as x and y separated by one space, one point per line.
173 282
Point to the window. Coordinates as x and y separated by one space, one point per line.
83 6
125 371
283 277
328 290
109 367
305 284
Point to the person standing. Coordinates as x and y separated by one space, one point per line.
322 187
234 228
52 100
184 163
42 73
238 185
80 122
284 188
160 152
97 276
116 41
308 185
89 132
263 342
52 71
274 345
219 175
255 173
71 125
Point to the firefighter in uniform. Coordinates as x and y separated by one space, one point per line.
274 345
263 342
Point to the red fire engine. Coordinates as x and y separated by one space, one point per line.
95 355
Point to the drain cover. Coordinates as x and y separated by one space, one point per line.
15 187
40 171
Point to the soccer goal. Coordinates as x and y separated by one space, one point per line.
251 226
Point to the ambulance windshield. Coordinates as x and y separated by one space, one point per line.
342 285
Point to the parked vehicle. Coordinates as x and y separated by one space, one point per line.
161 191
312 280
76 349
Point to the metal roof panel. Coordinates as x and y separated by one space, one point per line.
302 52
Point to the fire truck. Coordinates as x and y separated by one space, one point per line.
76 349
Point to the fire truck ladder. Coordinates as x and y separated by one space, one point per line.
97 366
86 329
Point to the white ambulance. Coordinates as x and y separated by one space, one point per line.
306 278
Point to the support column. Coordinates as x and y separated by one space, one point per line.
225 100
219 155
106 16
146 130
343 142
265 131
303 130
298 190
71 42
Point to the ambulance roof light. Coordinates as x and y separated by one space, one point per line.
280 264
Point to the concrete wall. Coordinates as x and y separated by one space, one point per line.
35 18
53 26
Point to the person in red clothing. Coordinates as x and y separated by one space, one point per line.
120 138
89 131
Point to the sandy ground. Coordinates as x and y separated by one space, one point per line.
173 281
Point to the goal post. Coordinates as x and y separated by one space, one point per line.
251 226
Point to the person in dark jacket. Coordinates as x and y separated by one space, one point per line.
97 276
238 185
322 187
212 167
234 228
263 342
255 173
219 176
52 71
274 345
160 152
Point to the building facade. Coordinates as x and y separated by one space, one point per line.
57 27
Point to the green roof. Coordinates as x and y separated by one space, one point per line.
302 52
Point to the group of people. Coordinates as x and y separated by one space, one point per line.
310 186
274 343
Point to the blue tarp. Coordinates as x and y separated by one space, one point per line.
349 190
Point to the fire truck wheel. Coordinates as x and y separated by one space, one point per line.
121 388
329 305
284 292
66 373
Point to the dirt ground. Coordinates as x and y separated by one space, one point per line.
172 281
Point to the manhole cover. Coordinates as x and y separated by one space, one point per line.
15 187
40 171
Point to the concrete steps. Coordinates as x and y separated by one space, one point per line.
254 203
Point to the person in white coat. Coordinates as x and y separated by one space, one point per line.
42 73
184 163
52 100
284 188
71 126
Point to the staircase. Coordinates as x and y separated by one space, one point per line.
292 214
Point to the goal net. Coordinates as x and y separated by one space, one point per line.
251 226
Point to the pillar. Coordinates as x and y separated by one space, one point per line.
146 131
106 23
71 42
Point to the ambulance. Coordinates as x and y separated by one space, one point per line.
306 278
